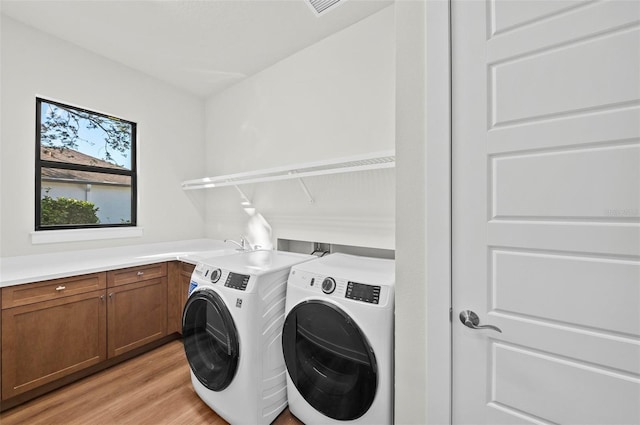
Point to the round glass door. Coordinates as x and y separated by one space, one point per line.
329 360
210 340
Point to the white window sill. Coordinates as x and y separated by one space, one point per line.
77 235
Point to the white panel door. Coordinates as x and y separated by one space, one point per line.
546 211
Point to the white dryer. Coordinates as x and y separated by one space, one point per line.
231 327
337 340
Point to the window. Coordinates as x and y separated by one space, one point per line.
85 168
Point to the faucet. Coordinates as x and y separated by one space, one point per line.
242 244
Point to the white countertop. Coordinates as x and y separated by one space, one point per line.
257 262
34 268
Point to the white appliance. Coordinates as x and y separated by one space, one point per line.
232 326
337 340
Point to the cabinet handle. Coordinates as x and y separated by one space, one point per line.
111 296
140 273
61 288
101 297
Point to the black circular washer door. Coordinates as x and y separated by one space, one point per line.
210 339
329 360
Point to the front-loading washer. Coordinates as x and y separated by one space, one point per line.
337 340
232 326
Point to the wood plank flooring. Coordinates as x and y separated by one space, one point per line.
154 388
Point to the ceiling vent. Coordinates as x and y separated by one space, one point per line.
322 6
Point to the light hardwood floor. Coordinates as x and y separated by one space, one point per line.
154 388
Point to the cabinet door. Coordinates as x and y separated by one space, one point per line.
179 274
45 341
0 348
137 315
185 281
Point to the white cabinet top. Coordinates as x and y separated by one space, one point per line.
34 268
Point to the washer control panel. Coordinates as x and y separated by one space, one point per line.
227 278
237 281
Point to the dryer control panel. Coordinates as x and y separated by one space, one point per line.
363 292
336 287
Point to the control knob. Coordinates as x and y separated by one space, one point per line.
328 285
215 275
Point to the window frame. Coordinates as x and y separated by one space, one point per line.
43 163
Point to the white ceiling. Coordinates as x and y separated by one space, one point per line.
201 46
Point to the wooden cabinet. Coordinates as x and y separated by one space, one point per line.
137 307
186 270
137 315
76 325
179 279
50 330
0 346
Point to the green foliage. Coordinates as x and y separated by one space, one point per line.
61 128
67 211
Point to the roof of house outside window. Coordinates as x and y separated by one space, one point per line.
67 155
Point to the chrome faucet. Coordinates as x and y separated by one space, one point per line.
242 244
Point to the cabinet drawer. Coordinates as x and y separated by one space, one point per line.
136 274
14 296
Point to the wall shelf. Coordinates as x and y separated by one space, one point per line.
370 161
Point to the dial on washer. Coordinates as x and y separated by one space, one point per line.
215 275
328 285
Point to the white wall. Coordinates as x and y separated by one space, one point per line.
170 136
422 351
333 99
411 291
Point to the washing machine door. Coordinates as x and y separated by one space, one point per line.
329 360
210 339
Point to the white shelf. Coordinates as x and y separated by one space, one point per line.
371 161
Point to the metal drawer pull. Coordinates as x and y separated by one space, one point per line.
101 297
61 288
471 320
140 273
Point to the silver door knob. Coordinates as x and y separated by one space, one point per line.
471 320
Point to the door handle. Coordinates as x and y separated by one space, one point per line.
471 320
